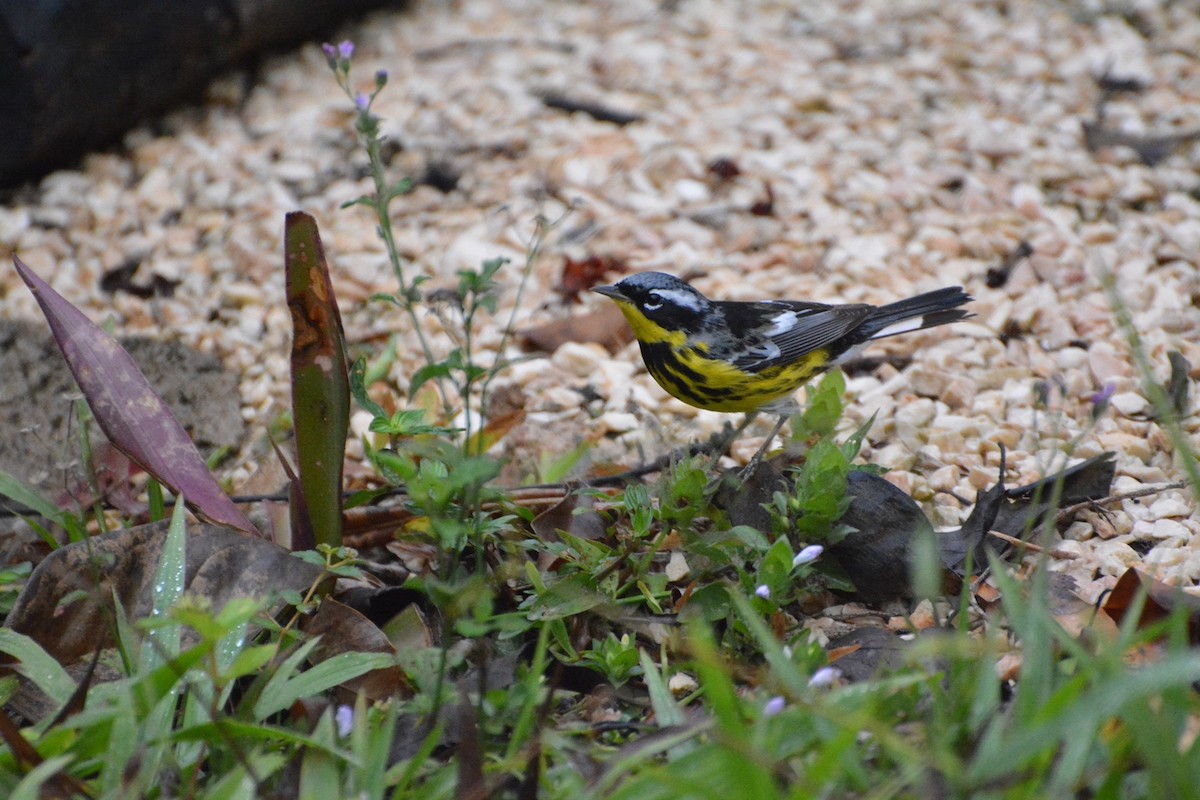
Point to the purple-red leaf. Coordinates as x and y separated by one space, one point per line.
131 415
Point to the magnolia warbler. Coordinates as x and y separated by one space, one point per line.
752 357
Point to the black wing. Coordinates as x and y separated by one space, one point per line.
783 331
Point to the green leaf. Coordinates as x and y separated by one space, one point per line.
239 784
169 579
37 665
751 537
775 568
283 672
555 469
406 423
227 729
154 494
666 710
401 187
358 389
163 683
281 691
319 776
382 297
250 661
31 786
720 694
363 200
320 382
435 371
16 490
566 597
853 443
824 407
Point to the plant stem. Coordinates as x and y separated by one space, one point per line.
407 301
1168 420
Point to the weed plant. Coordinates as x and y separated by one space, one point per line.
586 664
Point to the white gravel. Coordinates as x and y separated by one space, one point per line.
906 145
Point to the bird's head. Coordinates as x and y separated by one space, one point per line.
659 299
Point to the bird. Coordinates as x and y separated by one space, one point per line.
751 357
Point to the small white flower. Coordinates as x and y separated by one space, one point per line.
787 652
763 591
824 677
808 555
774 706
344 718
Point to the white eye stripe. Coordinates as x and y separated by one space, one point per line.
679 297
652 306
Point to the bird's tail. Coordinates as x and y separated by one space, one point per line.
923 311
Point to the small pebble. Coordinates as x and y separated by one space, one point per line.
677 568
829 189
681 684
1169 507
1129 404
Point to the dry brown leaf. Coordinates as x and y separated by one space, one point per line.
841 652
1161 601
571 515
605 326
67 605
221 565
344 630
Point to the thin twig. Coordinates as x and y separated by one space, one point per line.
1030 546
1066 513
597 111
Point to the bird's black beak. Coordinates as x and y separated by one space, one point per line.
609 291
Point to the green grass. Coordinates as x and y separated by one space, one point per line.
569 664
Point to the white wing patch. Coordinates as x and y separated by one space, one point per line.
782 323
679 297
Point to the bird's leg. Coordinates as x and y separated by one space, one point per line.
749 469
721 447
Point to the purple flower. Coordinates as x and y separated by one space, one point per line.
331 58
1104 395
763 591
381 78
1100 399
824 677
344 718
774 706
808 555
346 50
362 102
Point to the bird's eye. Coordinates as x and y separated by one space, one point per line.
652 306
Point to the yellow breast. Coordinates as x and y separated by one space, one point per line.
687 373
